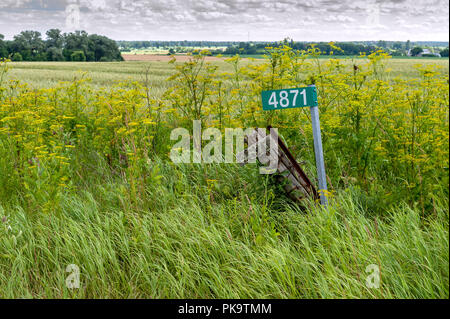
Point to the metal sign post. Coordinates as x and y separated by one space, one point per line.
302 97
320 163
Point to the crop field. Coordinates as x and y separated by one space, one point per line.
48 74
86 179
163 58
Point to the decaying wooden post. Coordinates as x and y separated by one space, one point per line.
298 185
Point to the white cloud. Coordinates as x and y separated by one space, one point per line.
318 20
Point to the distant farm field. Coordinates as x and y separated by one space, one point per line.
161 57
47 74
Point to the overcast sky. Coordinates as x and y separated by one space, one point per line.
240 20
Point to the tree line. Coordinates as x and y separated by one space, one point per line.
394 48
165 44
345 48
245 48
80 46
58 46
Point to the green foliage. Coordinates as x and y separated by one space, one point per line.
416 51
55 39
193 85
103 49
257 48
55 54
17 57
78 56
3 48
29 44
61 47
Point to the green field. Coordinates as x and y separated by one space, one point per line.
47 74
86 179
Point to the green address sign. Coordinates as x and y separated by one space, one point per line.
289 98
301 97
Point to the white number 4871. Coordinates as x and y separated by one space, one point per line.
283 98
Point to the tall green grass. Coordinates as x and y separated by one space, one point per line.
216 231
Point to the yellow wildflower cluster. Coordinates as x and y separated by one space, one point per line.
383 134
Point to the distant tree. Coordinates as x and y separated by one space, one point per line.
61 47
408 45
17 57
416 51
397 53
103 47
444 53
55 54
29 44
3 48
77 41
78 56
382 44
41 56
397 46
55 39
171 51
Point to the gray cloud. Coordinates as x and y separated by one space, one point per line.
319 20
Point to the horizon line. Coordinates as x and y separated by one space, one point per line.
307 41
